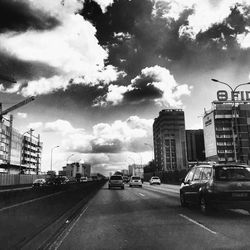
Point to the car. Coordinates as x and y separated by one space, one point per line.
219 185
135 181
64 179
155 180
125 179
84 179
39 183
116 181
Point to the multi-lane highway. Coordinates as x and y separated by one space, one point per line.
134 218
151 218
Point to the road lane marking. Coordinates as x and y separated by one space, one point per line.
63 236
165 190
141 194
197 223
29 201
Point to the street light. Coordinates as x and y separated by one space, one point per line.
51 156
234 120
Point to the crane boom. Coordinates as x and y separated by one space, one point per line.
24 102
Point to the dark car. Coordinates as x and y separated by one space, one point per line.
116 181
125 179
221 185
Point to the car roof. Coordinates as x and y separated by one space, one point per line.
231 165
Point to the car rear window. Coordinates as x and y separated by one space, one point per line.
232 173
136 178
115 177
155 178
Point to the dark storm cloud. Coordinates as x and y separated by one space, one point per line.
18 16
154 40
24 70
143 90
225 33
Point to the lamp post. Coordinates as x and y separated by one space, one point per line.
51 156
29 131
234 120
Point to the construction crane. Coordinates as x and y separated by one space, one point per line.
18 105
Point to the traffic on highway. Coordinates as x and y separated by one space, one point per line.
96 212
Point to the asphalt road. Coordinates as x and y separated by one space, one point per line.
28 218
151 218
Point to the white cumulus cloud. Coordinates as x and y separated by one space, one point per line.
71 48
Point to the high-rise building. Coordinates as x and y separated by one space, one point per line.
170 140
195 145
226 132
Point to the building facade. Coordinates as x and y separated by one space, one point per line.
195 145
226 132
74 168
31 153
136 170
18 153
170 140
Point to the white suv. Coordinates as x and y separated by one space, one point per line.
135 181
155 180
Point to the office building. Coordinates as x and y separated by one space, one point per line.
170 140
195 145
226 132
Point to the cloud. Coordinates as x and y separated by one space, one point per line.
70 48
113 97
104 4
204 14
154 83
59 126
22 17
119 136
22 115
35 125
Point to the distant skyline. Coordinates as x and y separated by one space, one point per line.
101 71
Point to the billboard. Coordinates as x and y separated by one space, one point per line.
209 135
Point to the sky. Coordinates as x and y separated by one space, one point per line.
102 70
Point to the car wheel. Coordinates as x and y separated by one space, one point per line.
130 186
109 187
183 200
204 206
122 187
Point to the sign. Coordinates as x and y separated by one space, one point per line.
223 96
209 135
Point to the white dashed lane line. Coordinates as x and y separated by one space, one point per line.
197 223
141 194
